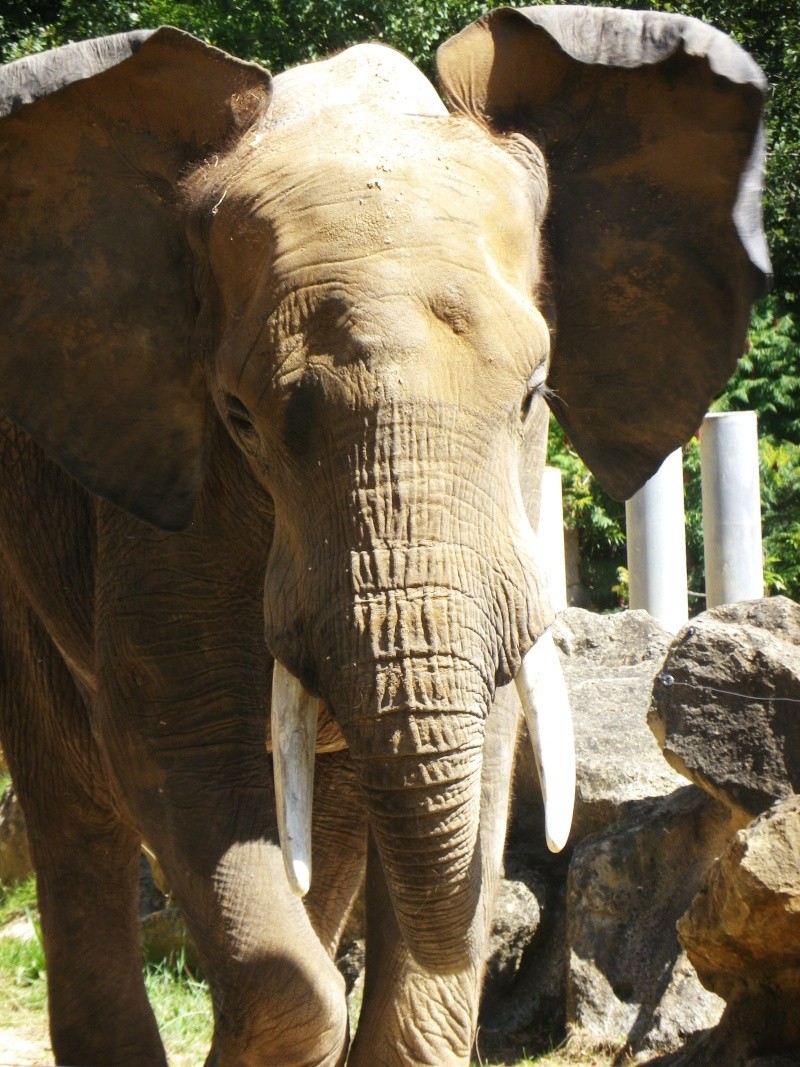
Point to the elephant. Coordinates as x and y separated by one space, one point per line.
277 362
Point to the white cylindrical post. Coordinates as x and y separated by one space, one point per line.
656 537
731 507
551 537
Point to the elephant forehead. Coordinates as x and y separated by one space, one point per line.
367 75
439 188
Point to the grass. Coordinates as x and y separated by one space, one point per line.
556 1058
17 901
182 1006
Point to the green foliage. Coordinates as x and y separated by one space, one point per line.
598 520
780 502
767 379
180 999
277 33
22 968
182 1006
779 465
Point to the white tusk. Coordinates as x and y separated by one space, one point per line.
543 693
294 733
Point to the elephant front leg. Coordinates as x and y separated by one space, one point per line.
297 1014
278 999
86 859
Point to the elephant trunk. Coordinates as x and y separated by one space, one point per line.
425 814
412 705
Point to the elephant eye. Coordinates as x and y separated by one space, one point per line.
239 418
535 386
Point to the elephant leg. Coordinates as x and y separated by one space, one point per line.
300 996
86 859
278 999
409 1016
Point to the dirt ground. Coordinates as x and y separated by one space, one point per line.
29 1046
25 1046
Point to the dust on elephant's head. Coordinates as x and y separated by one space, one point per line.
355 283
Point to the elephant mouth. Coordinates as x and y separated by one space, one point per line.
543 695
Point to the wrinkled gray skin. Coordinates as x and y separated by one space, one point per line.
363 285
384 361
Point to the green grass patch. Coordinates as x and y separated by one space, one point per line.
182 1006
23 986
17 901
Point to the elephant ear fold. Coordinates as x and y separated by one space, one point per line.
99 362
651 127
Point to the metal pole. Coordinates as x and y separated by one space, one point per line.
551 537
656 538
731 507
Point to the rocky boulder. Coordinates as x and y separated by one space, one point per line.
726 706
643 840
523 994
742 933
628 978
609 663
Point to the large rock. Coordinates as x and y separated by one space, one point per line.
742 933
523 996
642 840
516 917
609 663
628 978
164 938
726 708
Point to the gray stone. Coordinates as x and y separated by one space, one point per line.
628 978
350 960
726 709
151 898
742 932
609 663
164 938
516 919
522 1007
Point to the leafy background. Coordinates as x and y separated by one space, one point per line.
282 33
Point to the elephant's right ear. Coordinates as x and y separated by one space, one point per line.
97 309
651 127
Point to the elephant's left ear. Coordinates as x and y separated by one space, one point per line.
98 362
651 127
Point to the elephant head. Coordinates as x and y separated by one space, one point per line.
363 288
